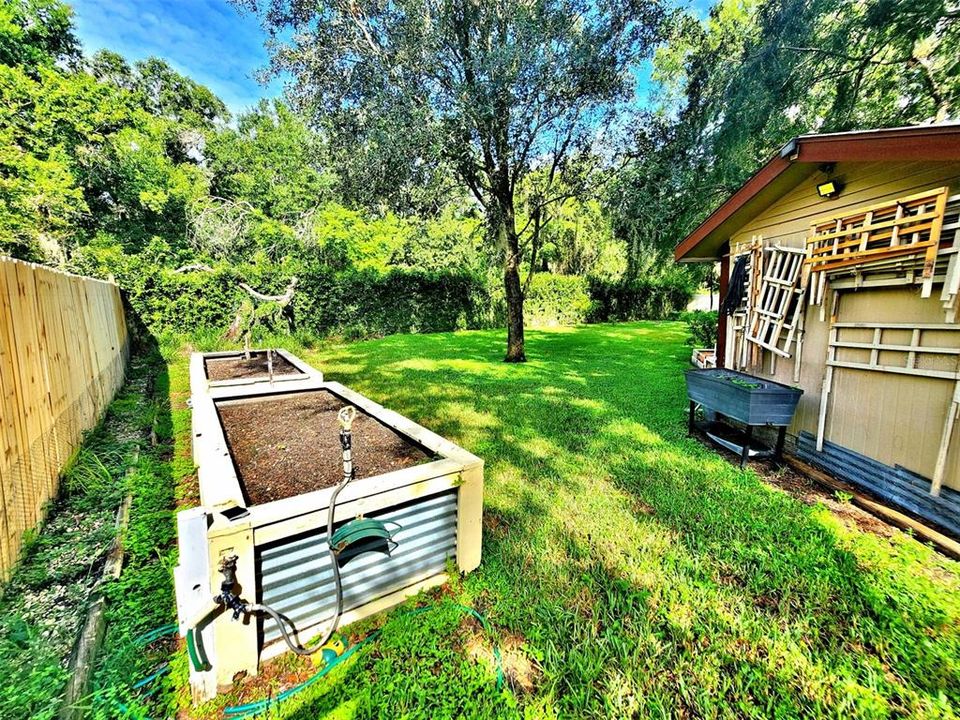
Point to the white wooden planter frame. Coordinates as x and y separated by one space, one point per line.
224 526
199 383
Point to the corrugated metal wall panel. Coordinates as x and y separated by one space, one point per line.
295 577
896 484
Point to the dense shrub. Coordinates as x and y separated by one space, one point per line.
353 303
368 303
638 299
166 300
357 303
556 300
703 327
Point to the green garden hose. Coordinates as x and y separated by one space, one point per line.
248 710
194 652
142 641
361 529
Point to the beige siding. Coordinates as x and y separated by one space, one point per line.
895 419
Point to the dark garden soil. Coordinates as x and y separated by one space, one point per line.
239 368
290 445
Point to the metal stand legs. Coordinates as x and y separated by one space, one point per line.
745 454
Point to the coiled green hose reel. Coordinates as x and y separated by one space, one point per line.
361 529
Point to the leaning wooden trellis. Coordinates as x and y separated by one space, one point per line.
771 315
776 316
743 353
907 270
879 360
891 235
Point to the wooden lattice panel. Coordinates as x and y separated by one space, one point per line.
905 227
899 349
910 352
774 318
951 236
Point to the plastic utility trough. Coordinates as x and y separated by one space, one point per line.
748 399
268 461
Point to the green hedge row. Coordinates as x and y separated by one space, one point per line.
353 303
368 303
638 299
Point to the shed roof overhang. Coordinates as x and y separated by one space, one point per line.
799 159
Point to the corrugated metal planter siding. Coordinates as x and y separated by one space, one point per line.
295 576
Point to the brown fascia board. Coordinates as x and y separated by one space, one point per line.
798 159
921 142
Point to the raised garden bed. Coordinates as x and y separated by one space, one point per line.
268 456
273 463
256 366
748 399
236 367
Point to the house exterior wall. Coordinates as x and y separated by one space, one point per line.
895 419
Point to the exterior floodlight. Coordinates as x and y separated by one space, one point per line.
829 189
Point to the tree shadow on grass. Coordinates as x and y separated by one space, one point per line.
648 573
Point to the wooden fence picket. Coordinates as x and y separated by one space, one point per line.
63 352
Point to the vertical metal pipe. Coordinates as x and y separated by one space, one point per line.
346 417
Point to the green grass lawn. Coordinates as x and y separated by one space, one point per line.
627 570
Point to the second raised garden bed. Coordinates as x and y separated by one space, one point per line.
223 369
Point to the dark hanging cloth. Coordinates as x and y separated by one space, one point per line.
736 286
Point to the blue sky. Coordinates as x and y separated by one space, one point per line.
209 40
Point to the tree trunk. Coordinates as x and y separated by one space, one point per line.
513 288
511 283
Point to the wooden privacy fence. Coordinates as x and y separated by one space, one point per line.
63 351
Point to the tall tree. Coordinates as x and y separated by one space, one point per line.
758 72
36 33
272 160
735 86
491 88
